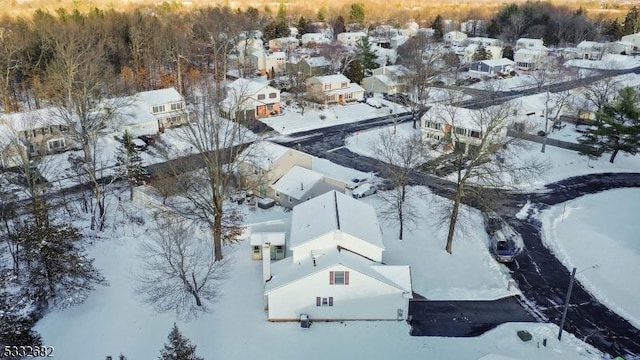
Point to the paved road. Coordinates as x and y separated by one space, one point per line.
464 318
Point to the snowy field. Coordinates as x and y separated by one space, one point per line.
564 163
598 234
114 321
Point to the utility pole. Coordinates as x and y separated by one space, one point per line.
566 303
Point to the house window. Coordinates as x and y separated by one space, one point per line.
56 144
344 85
461 131
290 199
256 249
279 249
348 96
269 106
261 96
158 109
338 277
475 134
277 194
64 128
324 301
327 87
272 95
176 106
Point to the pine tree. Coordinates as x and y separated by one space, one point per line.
438 28
130 163
179 347
617 127
366 55
481 53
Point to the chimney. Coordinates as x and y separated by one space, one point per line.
266 261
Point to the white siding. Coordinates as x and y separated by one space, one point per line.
365 298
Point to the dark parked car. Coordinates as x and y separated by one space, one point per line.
147 139
502 248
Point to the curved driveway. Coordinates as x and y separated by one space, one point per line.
540 275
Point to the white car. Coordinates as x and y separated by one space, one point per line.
363 190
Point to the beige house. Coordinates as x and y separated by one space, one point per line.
591 50
386 80
333 89
42 131
12 151
307 67
265 162
350 39
529 58
266 61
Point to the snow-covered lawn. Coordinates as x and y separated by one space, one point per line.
564 163
114 321
598 234
292 121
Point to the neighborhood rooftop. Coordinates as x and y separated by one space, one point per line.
334 211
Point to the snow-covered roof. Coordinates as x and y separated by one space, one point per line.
273 238
456 116
531 51
297 182
317 61
245 87
34 119
160 97
334 211
590 44
286 271
335 171
332 79
498 62
353 87
385 79
264 153
7 137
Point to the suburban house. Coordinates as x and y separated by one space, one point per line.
246 47
166 105
335 271
307 67
333 89
350 39
284 44
266 61
485 41
620 47
526 43
464 131
314 38
491 67
300 184
455 38
12 151
264 162
386 80
529 58
634 39
248 99
44 131
591 50
495 52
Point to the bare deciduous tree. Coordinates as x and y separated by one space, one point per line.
483 157
179 272
400 155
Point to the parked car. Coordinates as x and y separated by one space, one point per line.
363 190
492 222
147 139
386 185
355 182
502 248
374 102
140 145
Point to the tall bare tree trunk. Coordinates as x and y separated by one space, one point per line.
454 218
217 237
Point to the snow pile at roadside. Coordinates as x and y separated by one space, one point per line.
598 234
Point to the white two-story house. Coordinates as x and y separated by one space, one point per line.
350 39
166 105
248 99
335 271
333 89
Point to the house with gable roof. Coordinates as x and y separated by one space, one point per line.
335 271
300 184
387 80
248 99
333 89
310 66
166 105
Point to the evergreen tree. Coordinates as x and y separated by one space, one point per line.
354 71
59 270
356 13
438 28
322 14
481 53
178 348
366 55
338 26
302 26
617 127
631 23
130 163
